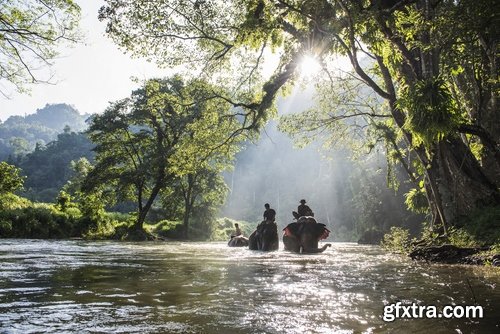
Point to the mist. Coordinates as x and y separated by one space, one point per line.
349 196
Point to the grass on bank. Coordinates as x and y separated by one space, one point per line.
21 218
481 229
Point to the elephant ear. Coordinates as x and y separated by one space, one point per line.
321 231
292 228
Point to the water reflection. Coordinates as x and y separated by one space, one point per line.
90 287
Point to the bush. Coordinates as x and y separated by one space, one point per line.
11 202
461 238
109 225
483 225
224 228
397 240
119 216
106 229
167 229
23 219
40 221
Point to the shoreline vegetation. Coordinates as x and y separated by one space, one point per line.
475 240
23 219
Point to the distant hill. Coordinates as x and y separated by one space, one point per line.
19 135
52 116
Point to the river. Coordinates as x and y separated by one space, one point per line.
174 287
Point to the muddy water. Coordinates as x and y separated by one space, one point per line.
101 287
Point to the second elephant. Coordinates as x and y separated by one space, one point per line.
265 237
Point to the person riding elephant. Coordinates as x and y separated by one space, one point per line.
269 213
304 235
237 238
303 210
265 237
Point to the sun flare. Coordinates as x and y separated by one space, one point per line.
309 66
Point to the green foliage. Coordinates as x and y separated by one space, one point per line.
91 204
31 31
40 221
48 168
63 200
461 238
416 201
203 223
10 178
435 66
10 201
492 251
169 134
397 240
480 229
107 225
483 225
20 135
103 230
167 229
224 228
431 113
476 148
107 228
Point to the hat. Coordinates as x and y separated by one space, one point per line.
302 201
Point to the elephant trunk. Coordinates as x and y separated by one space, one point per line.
315 250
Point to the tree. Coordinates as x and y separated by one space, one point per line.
10 178
200 192
92 203
48 167
31 31
435 69
166 129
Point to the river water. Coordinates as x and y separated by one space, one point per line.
174 287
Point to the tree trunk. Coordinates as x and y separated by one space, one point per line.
188 203
144 209
462 182
185 220
434 197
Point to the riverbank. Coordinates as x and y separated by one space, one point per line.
450 254
474 240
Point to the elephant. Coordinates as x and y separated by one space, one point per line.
265 237
303 236
238 241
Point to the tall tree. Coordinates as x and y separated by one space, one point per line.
196 196
166 129
436 70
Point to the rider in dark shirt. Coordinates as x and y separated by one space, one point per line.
269 214
303 210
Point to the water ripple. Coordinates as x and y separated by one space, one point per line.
96 287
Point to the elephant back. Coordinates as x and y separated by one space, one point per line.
238 241
307 219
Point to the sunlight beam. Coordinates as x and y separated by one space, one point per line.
309 66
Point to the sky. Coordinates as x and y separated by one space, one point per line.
87 76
